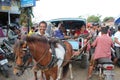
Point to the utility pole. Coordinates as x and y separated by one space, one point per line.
28 18
28 4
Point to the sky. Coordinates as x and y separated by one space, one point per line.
52 9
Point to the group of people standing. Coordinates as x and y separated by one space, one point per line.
14 33
101 39
103 44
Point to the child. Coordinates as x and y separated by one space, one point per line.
32 31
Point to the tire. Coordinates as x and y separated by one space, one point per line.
100 77
84 61
5 71
11 56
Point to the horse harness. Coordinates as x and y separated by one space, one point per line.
25 58
52 62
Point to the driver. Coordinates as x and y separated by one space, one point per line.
42 29
103 46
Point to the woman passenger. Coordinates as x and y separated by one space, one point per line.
81 31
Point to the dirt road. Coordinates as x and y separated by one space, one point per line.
78 73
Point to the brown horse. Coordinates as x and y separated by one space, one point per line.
51 61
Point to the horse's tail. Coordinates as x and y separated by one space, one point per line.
65 70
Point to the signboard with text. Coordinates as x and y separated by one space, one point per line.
5 4
27 3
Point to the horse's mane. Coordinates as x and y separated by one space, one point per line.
17 46
30 39
36 38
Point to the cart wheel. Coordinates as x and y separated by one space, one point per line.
84 61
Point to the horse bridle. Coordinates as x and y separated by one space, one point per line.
28 55
24 59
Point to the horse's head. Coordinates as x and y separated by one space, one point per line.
22 57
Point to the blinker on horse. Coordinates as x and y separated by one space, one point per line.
51 61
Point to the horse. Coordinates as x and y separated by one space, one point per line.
53 62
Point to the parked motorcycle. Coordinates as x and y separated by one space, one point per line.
7 48
3 63
105 69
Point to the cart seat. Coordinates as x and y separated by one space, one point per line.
75 44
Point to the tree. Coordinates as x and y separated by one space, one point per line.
107 19
26 13
81 16
93 18
24 16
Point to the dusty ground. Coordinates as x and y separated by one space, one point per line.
78 73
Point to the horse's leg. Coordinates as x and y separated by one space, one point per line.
35 75
54 75
42 77
46 76
71 74
59 73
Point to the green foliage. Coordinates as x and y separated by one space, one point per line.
93 18
80 16
107 18
24 16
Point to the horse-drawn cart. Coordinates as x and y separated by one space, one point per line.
79 45
80 53
42 51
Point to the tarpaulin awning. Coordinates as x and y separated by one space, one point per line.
117 21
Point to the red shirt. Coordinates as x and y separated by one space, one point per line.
78 32
102 46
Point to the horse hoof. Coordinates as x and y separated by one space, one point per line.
72 79
35 79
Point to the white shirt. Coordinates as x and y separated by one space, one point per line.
46 34
99 34
117 35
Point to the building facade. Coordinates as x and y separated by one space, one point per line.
9 12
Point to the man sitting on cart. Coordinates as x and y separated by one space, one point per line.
60 32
